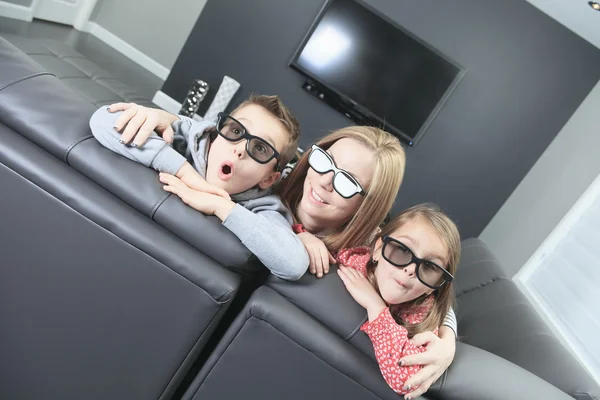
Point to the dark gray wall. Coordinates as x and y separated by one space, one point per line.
526 75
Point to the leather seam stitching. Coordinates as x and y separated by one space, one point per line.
225 294
157 206
356 330
486 283
24 78
72 146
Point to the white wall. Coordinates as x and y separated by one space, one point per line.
25 3
157 28
540 201
16 9
578 16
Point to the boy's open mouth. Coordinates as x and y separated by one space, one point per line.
226 171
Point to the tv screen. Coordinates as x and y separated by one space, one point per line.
365 60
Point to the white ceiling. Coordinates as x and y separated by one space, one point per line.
576 15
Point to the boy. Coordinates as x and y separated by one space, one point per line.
237 159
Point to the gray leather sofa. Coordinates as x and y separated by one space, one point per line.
112 289
105 292
302 340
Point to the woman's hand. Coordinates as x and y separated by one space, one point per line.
435 360
320 257
362 291
140 122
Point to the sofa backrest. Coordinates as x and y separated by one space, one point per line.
96 300
492 315
41 108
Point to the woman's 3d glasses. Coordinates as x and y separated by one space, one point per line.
343 182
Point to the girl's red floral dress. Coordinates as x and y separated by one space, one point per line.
390 340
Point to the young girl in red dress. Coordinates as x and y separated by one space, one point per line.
404 281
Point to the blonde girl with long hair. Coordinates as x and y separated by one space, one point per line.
404 281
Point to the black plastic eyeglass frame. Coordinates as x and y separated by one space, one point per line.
336 171
222 117
446 276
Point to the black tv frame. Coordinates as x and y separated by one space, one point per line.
350 107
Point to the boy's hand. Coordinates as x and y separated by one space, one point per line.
194 180
206 203
362 291
320 257
140 122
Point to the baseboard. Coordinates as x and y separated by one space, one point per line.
15 11
166 102
126 49
169 104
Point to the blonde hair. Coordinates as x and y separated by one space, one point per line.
277 109
390 162
444 297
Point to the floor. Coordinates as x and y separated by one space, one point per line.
144 82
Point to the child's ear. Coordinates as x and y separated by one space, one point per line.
269 180
377 249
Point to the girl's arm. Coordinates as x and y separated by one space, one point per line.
390 340
391 343
450 322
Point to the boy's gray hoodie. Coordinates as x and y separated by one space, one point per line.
259 219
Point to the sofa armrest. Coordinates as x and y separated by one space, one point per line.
323 298
477 374
275 350
107 303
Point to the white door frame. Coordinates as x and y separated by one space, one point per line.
83 16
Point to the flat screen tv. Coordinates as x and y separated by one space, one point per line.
374 71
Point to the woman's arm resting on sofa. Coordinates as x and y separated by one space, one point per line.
434 361
390 342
